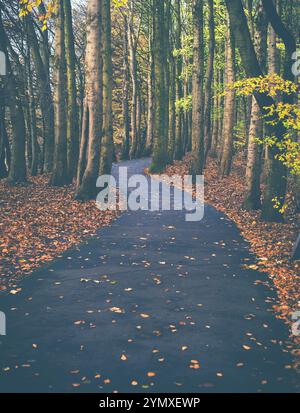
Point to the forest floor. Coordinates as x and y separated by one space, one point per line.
38 223
271 243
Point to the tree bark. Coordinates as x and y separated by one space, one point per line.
60 175
209 79
253 170
4 143
126 93
160 155
72 109
197 163
227 150
179 88
93 106
107 136
135 84
46 100
17 170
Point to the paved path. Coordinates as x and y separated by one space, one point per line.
168 297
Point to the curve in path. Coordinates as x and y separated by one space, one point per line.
152 304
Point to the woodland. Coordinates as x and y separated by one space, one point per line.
202 87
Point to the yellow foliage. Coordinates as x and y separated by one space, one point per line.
272 85
28 6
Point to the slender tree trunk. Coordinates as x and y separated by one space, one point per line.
167 59
4 143
149 140
197 93
33 130
135 84
60 167
172 110
179 88
72 110
253 193
209 79
17 171
46 100
160 155
227 150
217 115
107 139
125 105
253 171
273 55
93 106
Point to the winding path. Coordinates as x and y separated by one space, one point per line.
152 304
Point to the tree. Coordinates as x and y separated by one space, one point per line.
209 79
107 139
150 81
41 63
89 160
229 105
253 171
60 176
275 190
135 125
126 95
160 154
197 92
17 170
179 89
72 108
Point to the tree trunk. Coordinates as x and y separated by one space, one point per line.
179 89
209 79
197 92
160 155
135 84
149 139
107 138
216 124
93 105
33 130
253 191
125 106
46 100
4 143
60 175
172 110
227 150
17 171
72 110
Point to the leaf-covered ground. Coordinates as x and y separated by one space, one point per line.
38 223
271 243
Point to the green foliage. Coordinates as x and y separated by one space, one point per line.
187 47
184 104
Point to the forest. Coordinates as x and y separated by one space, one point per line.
198 87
